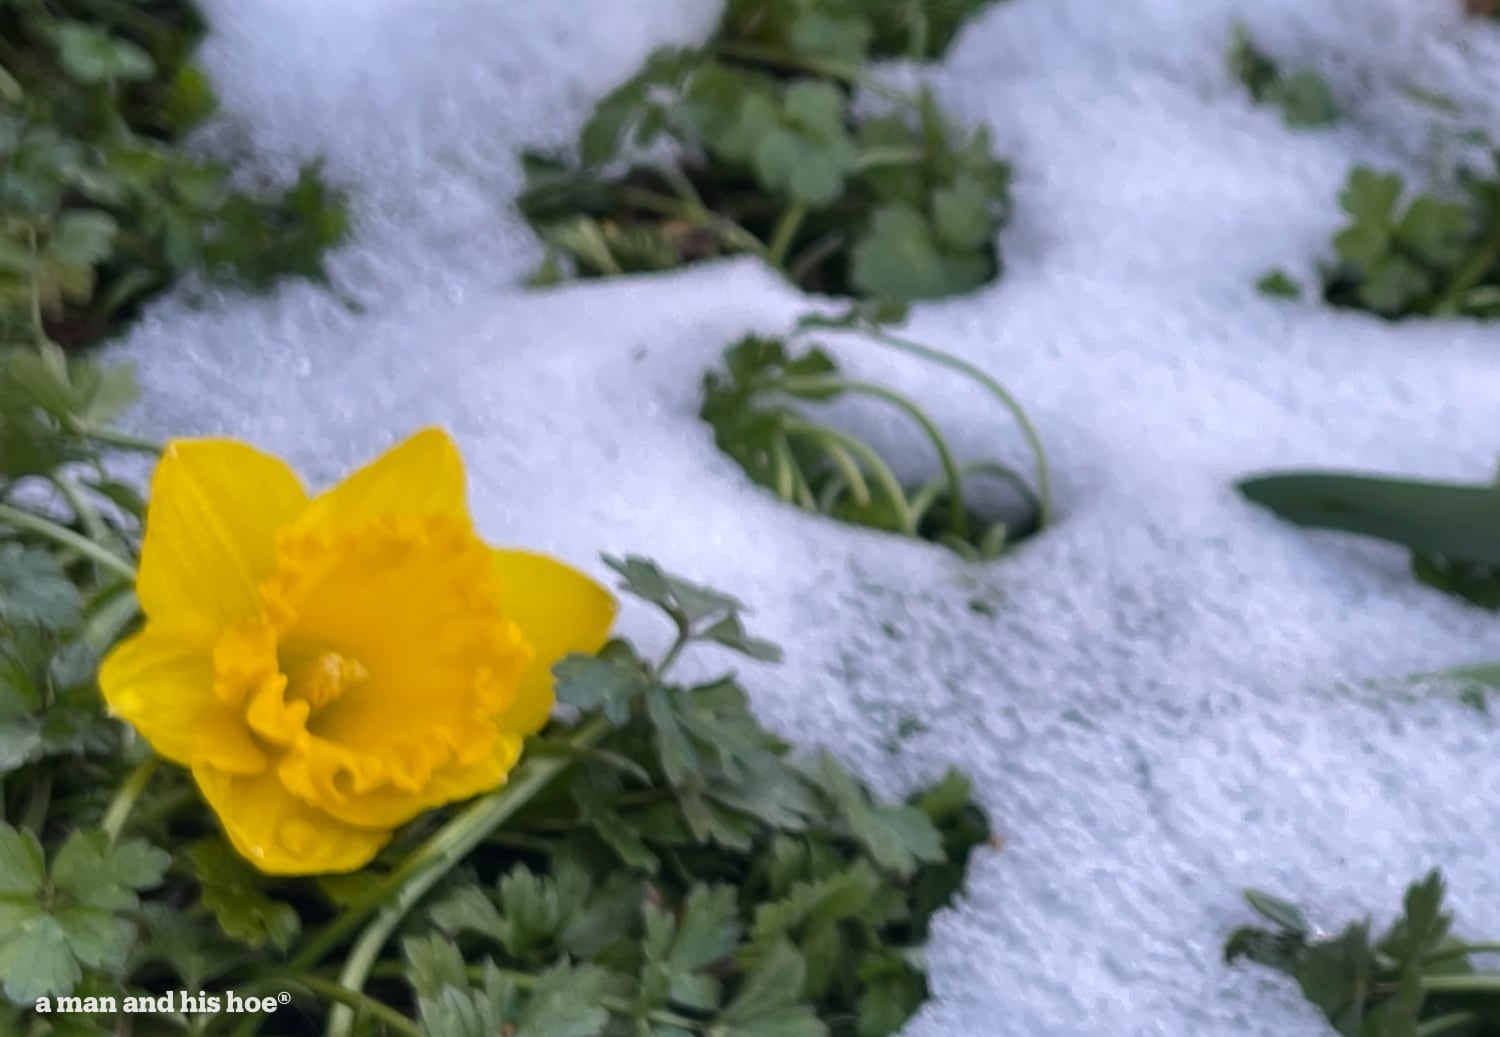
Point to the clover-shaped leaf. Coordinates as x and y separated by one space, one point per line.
900 256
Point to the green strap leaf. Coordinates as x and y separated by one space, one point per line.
1454 520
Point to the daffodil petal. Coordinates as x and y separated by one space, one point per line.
422 476
279 833
163 685
210 532
559 610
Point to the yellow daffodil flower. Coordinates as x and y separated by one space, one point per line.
330 668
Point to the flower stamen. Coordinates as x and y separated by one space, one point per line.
323 678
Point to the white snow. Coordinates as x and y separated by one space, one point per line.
1173 697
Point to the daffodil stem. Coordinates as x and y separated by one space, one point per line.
67 538
125 798
411 881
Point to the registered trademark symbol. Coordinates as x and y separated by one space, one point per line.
284 998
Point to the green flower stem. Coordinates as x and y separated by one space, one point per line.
802 489
38 803
879 470
126 796
784 234
684 635
1460 950
1006 473
1475 269
730 231
781 469
679 182
812 256
1477 983
401 891
102 629
937 356
849 469
88 515
877 157
791 484
1451 1023
925 498
354 1001
833 69
959 522
124 441
38 327
67 538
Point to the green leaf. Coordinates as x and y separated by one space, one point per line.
767 1004
1279 912
897 837
99 939
962 216
688 603
1370 198
35 960
891 995
679 760
1447 519
99 876
841 36
1436 232
194 951
34 589
231 889
899 257
1476 583
1393 284
469 909
435 963
91 55
1279 284
83 237
631 103
730 632
1424 926
564 1002
798 147
608 682
22 865
1305 100
1335 976
707 930
679 950
189 100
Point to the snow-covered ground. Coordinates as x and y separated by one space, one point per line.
1162 699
